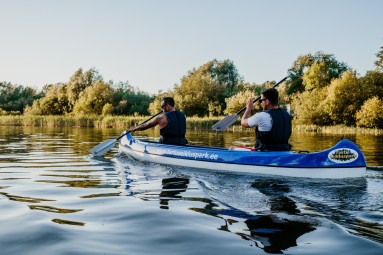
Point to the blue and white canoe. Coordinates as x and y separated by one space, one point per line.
344 160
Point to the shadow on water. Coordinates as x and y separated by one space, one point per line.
268 232
276 234
271 233
339 201
171 189
276 192
306 201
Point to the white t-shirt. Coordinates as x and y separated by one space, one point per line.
261 119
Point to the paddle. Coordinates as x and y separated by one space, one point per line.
231 119
105 146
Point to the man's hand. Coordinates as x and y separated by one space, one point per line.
250 104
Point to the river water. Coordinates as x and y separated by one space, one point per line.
57 199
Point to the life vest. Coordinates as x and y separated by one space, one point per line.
174 132
277 139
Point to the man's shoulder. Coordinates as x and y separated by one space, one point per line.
263 114
274 110
180 113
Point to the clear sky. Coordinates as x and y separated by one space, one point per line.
153 43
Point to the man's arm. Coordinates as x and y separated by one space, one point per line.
247 114
160 120
145 126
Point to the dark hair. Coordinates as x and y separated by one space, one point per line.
272 95
169 101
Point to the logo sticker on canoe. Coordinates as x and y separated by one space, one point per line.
343 155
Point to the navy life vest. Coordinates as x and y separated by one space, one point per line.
174 132
277 139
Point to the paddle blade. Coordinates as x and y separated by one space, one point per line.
103 147
225 123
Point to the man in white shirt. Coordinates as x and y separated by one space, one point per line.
272 125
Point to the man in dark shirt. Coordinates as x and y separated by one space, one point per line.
272 125
172 124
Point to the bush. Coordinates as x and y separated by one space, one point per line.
238 101
107 109
371 113
309 106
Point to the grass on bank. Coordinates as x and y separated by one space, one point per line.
124 122
121 122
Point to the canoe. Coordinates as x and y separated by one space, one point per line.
343 160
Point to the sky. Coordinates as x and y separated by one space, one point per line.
152 44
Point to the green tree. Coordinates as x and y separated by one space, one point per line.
45 106
196 92
372 84
107 109
311 72
284 97
316 77
55 101
379 61
203 91
225 74
308 107
93 98
79 81
323 71
129 100
344 99
14 98
371 114
214 108
296 72
238 101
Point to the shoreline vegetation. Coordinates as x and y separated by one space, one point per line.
124 122
318 90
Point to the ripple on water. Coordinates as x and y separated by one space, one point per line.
55 200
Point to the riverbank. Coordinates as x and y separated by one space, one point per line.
123 122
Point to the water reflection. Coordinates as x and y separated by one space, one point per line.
53 209
339 201
276 192
24 198
335 200
275 234
48 174
68 222
30 161
171 189
270 233
116 194
79 183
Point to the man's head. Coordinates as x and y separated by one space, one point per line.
270 95
166 102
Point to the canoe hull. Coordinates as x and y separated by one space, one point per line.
308 165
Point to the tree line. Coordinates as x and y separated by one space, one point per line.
320 90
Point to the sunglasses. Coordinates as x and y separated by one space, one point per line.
261 100
163 105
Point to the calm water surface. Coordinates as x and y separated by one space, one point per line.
57 199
